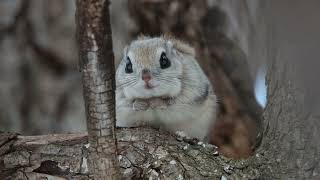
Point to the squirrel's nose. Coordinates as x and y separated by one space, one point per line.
146 75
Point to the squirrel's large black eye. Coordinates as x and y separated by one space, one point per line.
164 61
128 68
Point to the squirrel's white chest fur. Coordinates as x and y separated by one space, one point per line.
160 84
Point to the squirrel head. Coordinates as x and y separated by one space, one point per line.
152 67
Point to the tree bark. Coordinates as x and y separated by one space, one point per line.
98 78
143 153
291 124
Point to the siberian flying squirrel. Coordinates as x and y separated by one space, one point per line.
160 84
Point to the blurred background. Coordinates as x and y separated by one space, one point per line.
40 85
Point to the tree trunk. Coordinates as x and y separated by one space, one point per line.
291 121
291 132
98 78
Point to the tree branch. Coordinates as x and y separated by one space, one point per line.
143 153
97 66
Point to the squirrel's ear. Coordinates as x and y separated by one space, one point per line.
182 47
169 47
125 51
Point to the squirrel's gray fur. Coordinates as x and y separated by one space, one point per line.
181 99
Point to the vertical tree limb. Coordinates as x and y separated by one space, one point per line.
97 66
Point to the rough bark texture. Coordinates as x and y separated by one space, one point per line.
205 28
143 154
98 78
291 123
291 131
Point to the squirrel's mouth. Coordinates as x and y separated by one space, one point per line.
149 86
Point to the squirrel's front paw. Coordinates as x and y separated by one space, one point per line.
158 103
140 105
